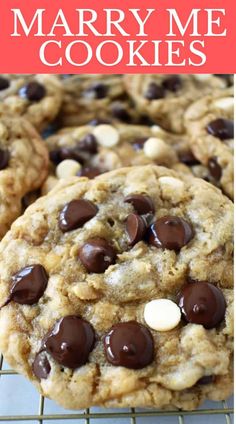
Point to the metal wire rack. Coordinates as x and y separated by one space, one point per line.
132 416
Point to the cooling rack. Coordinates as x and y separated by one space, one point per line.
16 405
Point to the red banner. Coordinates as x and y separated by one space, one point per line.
106 36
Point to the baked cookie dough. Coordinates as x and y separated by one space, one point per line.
210 124
23 166
35 97
92 150
165 97
81 269
97 98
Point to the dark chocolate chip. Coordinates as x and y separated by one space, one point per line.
170 232
130 345
145 120
207 379
214 168
4 83
28 285
88 144
136 228
138 143
89 172
41 367
221 128
172 83
154 92
4 158
97 91
202 303
141 203
74 153
34 91
55 156
188 158
97 255
70 341
119 112
76 213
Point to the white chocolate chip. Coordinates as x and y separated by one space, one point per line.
202 77
162 314
156 149
106 135
172 182
156 130
172 189
67 168
225 103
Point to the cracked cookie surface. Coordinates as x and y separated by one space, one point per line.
87 258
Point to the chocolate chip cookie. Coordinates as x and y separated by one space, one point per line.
35 97
210 123
97 99
165 97
81 270
23 166
92 150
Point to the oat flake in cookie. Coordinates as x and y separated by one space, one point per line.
78 277
210 124
35 97
165 97
23 167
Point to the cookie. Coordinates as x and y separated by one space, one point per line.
165 97
91 150
97 99
81 270
210 123
35 97
23 166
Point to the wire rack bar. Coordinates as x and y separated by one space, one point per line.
86 416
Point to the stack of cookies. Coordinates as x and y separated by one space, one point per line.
116 219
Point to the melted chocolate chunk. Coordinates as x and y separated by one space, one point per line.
221 128
97 255
34 91
130 345
70 341
170 232
135 228
76 213
28 285
154 92
41 367
202 303
142 204
4 83
172 83
214 168
4 158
